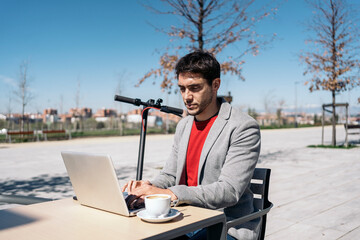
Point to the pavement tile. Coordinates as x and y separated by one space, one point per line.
302 231
344 217
353 234
275 224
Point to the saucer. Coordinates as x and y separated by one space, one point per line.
171 215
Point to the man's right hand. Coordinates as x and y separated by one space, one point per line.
133 201
132 185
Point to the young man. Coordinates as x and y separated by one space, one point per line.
215 149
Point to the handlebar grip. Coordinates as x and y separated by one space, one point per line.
176 111
126 100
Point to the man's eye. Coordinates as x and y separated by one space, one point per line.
195 88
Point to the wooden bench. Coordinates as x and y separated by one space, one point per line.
354 128
20 133
351 129
9 134
46 132
36 133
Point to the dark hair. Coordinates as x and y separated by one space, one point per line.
199 62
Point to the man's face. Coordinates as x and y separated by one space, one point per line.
196 92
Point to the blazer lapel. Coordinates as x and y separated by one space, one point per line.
214 133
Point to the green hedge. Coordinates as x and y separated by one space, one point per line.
286 126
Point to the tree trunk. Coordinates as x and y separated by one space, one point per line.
333 142
22 118
121 128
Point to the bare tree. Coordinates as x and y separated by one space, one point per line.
9 111
252 112
77 104
120 88
268 101
61 104
280 106
22 91
333 56
212 26
77 95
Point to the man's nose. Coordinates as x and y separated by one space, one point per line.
188 95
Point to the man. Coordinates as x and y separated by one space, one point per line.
215 149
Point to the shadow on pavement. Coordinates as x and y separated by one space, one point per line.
55 187
42 183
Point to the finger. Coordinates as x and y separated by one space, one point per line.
129 185
144 190
124 187
133 185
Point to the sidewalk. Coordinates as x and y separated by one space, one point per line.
316 192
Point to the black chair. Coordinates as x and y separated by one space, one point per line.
260 187
23 200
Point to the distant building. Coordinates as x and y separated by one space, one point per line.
65 117
15 117
50 116
103 115
104 112
135 112
86 112
50 111
166 116
267 119
153 119
83 112
301 118
36 117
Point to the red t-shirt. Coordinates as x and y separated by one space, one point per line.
199 132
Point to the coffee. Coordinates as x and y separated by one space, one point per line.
156 197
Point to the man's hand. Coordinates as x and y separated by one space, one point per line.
140 189
132 185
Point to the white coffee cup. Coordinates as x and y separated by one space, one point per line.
157 205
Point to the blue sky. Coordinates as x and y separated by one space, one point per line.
96 43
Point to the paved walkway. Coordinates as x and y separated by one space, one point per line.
316 192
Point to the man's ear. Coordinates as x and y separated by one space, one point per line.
216 84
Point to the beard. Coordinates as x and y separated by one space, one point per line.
201 106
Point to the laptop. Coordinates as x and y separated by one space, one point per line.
95 182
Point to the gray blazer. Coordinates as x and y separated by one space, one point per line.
227 162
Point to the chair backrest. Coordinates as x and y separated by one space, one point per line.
260 187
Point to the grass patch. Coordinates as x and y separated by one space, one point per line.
287 126
113 132
334 147
79 134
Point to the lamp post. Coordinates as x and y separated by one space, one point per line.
296 124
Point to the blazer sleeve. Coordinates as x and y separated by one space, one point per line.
235 174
